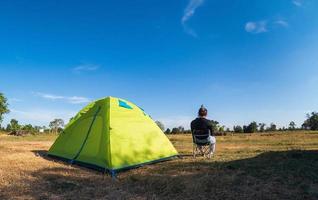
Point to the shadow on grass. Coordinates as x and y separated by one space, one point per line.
44 155
270 175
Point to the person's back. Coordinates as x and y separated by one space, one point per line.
202 126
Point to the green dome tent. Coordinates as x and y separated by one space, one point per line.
112 134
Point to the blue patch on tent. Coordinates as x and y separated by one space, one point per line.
124 104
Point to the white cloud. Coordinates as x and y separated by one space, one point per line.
72 99
256 27
298 3
38 116
85 68
50 96
77 100
189 11
282 23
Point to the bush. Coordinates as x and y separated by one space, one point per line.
311 122
175 131
251 128
238 129
272 127
19 132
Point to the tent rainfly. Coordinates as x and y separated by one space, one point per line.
112 134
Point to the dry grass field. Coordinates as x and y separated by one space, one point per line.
257 166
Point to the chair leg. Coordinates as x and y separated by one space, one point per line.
206 152
201 150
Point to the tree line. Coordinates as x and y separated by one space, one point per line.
261 127
311 123
56 125
13 127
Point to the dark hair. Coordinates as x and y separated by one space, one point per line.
203 111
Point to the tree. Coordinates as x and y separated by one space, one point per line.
238 129
29 128
56 124
37 128
175 131
188 131
161 126
3 107
245 129
251 128
221 128
13 126
181 129
168 131
272 127
292 125
261 127
60 130
215 125
311 122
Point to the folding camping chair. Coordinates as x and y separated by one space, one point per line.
201 144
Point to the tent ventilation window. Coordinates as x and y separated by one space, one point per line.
124 104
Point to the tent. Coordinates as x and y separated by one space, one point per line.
112 134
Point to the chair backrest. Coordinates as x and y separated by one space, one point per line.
200 137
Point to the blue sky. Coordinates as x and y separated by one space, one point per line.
244 60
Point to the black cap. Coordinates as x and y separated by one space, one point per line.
203 111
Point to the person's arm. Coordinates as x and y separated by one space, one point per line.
191 126
211 128
192 129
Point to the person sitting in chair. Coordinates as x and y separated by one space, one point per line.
202 126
